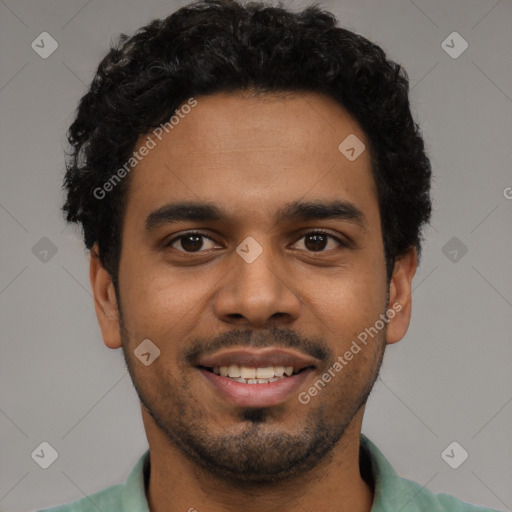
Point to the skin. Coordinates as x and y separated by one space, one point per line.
252 155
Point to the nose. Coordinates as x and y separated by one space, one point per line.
257 294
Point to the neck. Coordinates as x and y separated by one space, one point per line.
335 484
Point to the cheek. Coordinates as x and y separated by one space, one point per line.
349 301
160 303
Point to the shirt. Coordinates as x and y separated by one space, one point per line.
392 493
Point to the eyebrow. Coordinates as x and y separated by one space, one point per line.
295 211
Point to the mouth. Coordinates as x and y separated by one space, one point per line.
248 378
261 375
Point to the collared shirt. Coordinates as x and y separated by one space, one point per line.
391 492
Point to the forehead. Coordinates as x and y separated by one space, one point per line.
255 152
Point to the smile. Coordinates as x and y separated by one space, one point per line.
256 392
247 375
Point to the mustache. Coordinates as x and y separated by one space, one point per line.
272 337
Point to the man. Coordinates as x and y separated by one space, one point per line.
252 187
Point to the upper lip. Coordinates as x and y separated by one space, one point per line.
263 358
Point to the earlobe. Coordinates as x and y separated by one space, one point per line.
400 296
105 301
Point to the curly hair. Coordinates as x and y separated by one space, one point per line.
214 46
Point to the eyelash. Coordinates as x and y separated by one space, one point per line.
341 242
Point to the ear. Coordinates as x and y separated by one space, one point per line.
105 302
400 296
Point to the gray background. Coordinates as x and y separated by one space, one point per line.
449 380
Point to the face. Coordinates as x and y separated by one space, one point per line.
275 261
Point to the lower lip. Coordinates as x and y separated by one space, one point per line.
257 395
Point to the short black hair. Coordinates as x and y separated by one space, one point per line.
214 46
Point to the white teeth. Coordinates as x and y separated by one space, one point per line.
248 375
265 373
278 371
234 371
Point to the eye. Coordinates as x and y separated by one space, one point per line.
317 241
190 242
194 242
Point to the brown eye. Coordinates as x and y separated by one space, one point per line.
190 242
315 241
318 241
